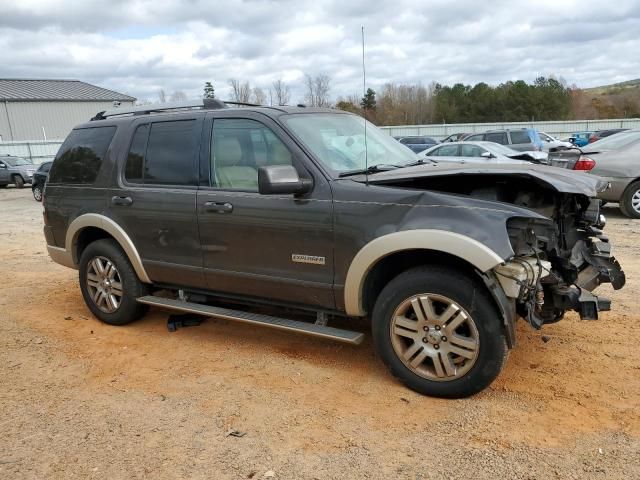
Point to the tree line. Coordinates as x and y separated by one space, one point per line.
546 98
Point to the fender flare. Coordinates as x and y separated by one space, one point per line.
466 248
113 229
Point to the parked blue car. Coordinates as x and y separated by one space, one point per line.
580 139
418 144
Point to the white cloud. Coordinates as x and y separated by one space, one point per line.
140 46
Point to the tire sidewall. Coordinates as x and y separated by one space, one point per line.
18 181
129 309
472 296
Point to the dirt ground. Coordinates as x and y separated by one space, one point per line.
80 399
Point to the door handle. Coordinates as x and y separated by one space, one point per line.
122 201
218 207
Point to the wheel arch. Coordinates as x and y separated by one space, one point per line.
90 227
441 245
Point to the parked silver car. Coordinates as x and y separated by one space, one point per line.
15 170
481 152
617 160
549 142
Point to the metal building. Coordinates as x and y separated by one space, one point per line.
49 109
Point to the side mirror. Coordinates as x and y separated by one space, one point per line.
487 155
282 179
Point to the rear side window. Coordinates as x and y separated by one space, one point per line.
520 136
80 156
163 153
474 138
497 137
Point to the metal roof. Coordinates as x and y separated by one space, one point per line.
26 90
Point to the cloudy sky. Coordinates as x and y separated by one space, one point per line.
141 46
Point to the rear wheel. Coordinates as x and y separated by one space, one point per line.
630 201
37 193
439 332
109 283
18 181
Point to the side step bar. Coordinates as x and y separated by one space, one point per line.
346 336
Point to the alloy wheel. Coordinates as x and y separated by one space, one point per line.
434 337
104 284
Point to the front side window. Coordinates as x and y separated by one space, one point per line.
338 141
17 161
239 147
447 151
497 137
163 153
80 156
471 151
521 136
474 138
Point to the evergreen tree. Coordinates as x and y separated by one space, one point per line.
368 102
209 91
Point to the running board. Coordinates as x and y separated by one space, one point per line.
346 336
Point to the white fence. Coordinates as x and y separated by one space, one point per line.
557 129
37 151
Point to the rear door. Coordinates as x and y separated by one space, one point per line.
278 247
155 197
4 173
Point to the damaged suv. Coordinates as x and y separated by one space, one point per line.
294 217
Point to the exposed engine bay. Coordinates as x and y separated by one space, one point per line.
559 260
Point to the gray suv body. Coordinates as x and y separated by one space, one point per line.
222 211
15 170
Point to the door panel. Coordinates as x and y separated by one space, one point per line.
271 246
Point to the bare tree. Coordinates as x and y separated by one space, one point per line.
162 97
281 91
241 91
318 90
259 96
178 96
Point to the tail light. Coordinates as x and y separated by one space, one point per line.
584 164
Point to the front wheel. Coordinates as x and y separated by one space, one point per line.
109 283
630 201
439 332
18 181
37 193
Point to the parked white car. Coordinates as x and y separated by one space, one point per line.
549 142
481 152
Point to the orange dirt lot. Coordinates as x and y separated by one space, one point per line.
85 400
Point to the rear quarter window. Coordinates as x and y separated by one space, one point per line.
80 157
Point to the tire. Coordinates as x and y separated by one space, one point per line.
18 181
631 197
474 322
37 193
110 296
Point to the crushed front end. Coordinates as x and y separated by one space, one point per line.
558 263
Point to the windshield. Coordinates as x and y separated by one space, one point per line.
337 140
615 142
16 161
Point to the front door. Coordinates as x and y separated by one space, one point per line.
276 247
4 173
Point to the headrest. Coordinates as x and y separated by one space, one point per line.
227 152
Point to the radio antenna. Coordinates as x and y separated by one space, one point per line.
364 114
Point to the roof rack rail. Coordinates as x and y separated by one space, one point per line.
204 103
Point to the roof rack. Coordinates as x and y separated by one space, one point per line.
205 104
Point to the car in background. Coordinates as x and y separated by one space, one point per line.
481 152
521 139
605 133
616 160
454 137
580 139
549 142
40 180
418 143
16 170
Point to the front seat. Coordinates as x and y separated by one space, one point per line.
227 155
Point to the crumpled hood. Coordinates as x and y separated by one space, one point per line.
562 180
